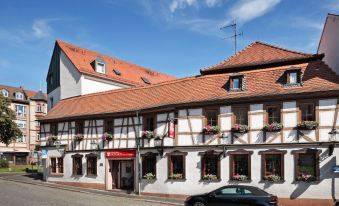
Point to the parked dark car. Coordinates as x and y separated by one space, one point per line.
233 195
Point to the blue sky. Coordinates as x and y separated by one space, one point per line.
177 37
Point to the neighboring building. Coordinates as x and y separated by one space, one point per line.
329 42
295 93
76 71
29 106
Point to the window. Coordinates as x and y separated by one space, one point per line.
306 164
91 164
146 81
211 117
21 124
117 72
240 165
39 108
273 114
77 164
108 126
21 139
149 123
20 110
240 116
293 77
54 129
234 191
210 166
273 164
56 165
79 127
149 161
100 68
236 83
176 165
50 79
19 95
5 93
51 100
307 112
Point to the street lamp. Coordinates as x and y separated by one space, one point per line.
158 144
333 138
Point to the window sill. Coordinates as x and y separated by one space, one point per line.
56 175
235 90
207 181
76 175
272 182
149 180
176 180
238 181
91 176
306 182
288 85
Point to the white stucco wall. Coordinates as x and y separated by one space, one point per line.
91 85
329 42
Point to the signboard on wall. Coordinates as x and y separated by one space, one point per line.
117 154
44 154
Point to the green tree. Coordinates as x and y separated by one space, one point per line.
9 130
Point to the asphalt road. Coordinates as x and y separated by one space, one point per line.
20 194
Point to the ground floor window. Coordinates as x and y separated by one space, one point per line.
210 166
77 164
273 165
240 164
91 164
307 165
56 165
176 165
149 161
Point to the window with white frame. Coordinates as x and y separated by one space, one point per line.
21 124
21 139
5 93
20 110
100 68
39 108
19 95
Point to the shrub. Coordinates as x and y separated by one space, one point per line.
3 163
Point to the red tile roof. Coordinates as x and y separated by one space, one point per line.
130 73
260 83
257 53
28 93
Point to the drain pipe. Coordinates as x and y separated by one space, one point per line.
138 152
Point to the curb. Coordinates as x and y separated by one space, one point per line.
55 186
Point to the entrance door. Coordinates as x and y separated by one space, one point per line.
115 174
126 175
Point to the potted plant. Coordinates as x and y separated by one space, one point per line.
240 128
210 130
79 137
273 127
149 176
308 125
238 177
148 134
304 177
107 136
209 177
176 176
273 178
52 138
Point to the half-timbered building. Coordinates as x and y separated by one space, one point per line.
266 117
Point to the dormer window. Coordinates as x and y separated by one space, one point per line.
19 95
100 67
5 93
236 83
293 77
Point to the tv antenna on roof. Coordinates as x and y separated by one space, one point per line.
235 35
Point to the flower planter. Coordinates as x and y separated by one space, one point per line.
107 136
273 178
149 176
210 130
239 178
147 135
306 178
176 176
240 128
79 137
308 125
274 127
210 177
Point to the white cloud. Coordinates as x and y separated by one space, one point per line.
247 10
41 28
306 22
212 3
181 4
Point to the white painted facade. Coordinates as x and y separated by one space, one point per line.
329 42
189 138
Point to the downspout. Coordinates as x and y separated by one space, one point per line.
138 152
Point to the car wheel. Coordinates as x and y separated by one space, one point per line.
199 204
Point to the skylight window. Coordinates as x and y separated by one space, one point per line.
145 80
117 72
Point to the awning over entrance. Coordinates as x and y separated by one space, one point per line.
118 154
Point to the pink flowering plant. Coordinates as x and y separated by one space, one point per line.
107 136
304 177
273 127
79 137
240 128
148 134
210 130
238 177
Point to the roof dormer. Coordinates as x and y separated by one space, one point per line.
99 65
19 95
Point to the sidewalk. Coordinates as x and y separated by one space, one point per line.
34 179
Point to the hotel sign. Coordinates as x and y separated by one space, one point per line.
116 154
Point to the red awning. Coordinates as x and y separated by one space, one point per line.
116 154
